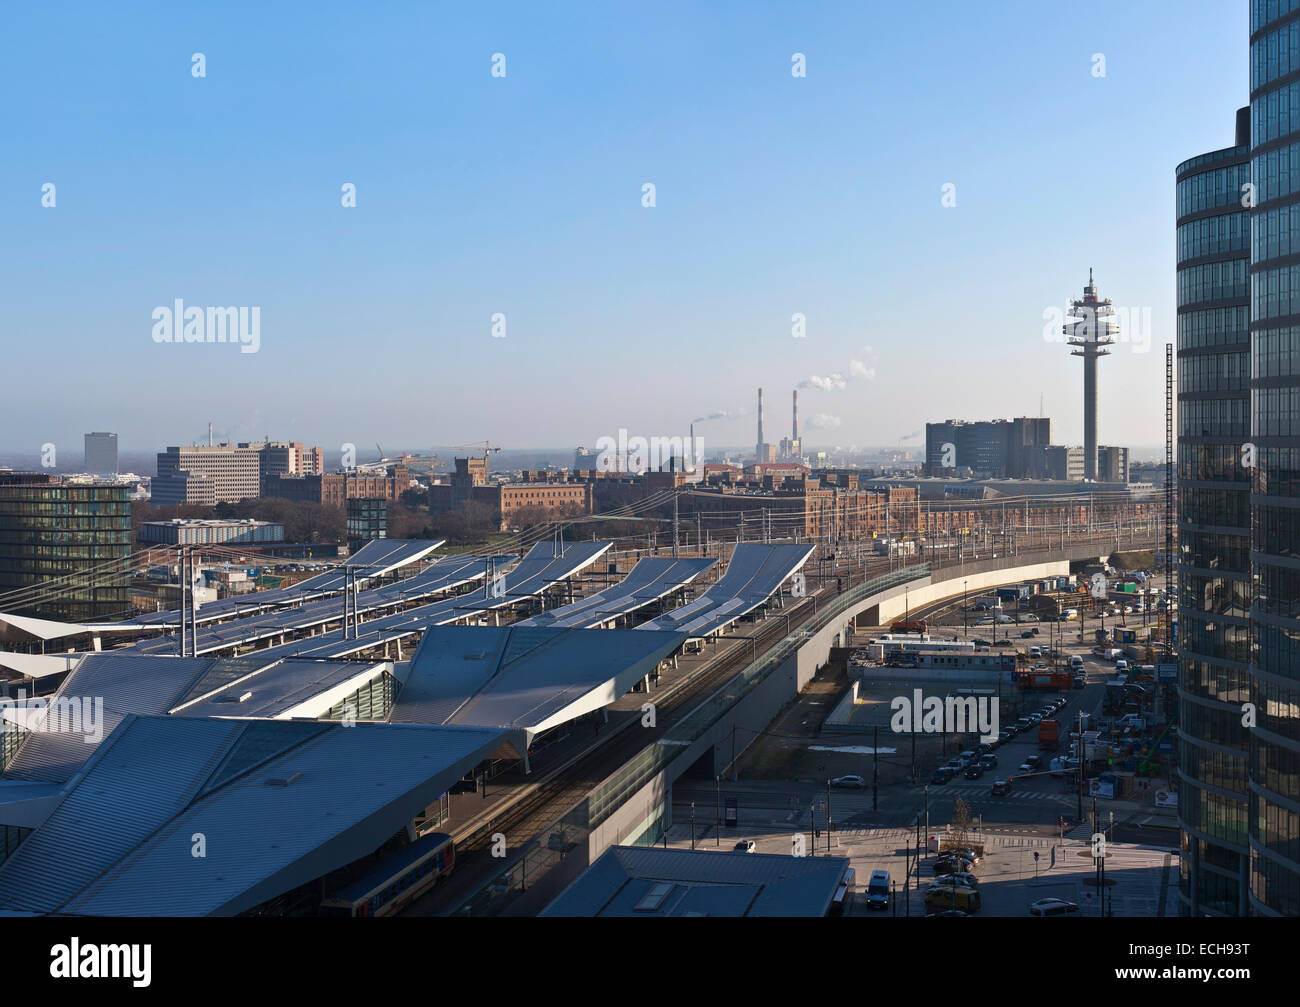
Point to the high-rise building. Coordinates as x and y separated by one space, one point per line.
101 454
367 520
1274 456
78 534
212 473
1061 462
1089 331
203 474
1000 448
1112 464
1213 251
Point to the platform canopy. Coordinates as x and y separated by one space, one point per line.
754 574
526 679
543 567
650 580
277 804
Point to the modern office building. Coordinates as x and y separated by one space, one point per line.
367 520
1214 527
212 473
77 533
101 454
999 448
1112 464
1274 835
196 531
208 474
1063 463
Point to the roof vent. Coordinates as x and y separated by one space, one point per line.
480 655
282 781
234 697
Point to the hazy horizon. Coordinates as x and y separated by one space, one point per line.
780 201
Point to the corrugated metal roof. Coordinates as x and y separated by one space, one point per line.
138 780
650 580
701 882
755 572
125 683
284 687
349 790
528 678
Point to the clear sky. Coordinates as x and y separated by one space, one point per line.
522 195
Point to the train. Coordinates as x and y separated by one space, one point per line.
395 881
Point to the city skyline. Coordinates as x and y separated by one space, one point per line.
817 212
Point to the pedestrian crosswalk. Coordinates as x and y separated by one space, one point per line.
974 790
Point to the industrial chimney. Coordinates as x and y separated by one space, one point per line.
758 451
794 426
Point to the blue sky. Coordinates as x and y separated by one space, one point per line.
522 195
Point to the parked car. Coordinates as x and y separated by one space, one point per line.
952 897
953 865
852 781
746 846
1052 907
962 878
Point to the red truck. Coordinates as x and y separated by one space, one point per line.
911 626
1049 734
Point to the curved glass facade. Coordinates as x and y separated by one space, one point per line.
1213 249
1274 837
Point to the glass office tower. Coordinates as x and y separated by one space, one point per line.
65 548
1274 837
1213 255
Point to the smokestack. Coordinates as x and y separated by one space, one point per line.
758 451
794 427
209 433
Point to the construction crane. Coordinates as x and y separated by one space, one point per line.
487 447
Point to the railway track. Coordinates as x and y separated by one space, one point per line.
522 820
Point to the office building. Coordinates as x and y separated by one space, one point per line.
207 474
1112 464
1000 448
76 533
1063 463
101 454
196 531
1274 836
215 473
1213 252
367 520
